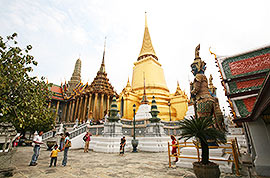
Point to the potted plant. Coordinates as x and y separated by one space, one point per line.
202 129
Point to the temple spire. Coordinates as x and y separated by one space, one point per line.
147 47
146 20
144 98
102 67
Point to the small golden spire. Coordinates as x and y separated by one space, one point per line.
144 98
102 67
128 84
146 19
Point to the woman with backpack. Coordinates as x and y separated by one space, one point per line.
66 148
87 139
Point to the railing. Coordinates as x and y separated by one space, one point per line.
79 130
231 145
47 135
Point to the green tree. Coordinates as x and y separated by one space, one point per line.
23 98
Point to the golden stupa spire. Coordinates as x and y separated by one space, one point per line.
147 47
102 67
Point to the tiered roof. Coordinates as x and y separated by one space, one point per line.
101 83
243 77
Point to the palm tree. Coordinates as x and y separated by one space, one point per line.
203 130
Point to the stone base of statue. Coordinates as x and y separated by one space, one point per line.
219 153
110 142
155 139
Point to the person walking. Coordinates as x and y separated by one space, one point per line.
62 141
54 154
37 141
122 145
87 139
174 147
66 148
16 141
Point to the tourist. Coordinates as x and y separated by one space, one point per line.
87 139
174 147
122 145
54 154
66 148
37 141
16 141
62 141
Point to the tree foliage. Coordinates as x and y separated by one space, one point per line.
203 130
23 98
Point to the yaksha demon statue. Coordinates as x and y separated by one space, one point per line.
204 101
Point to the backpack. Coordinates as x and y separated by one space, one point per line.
69 144
84 138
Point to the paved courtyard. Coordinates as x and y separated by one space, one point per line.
101 165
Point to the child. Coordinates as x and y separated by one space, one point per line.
122 145
54 154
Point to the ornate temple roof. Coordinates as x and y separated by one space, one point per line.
101 83
57 93
76 76
243 77
147 47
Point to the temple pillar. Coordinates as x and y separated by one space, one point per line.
89 106
64 112
76 109
56 111
84 109
95 107
72 111
68 111
107 107
80 109
101 106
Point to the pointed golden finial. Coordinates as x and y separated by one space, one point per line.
147 47
104 50
102 67
146 19
128 84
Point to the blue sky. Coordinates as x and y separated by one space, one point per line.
62 30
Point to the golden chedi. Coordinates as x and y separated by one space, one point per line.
148 70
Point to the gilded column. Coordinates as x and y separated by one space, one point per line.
64 113
95 106
108 101
89 106
101 106
84 109
56 111
80 109
72 111
68 111
76 109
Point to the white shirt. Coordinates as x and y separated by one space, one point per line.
37 138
